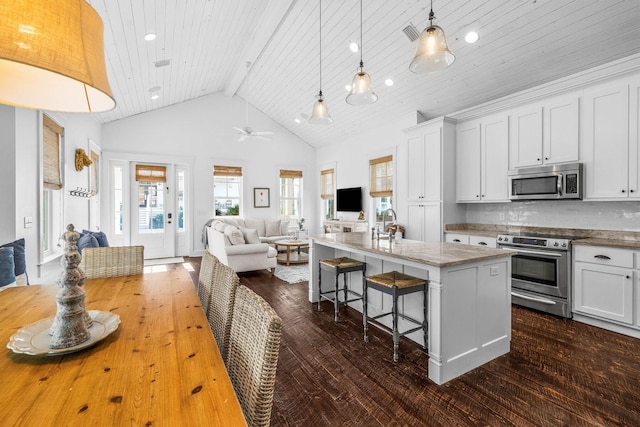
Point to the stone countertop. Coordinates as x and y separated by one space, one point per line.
481 233
612 243
439 254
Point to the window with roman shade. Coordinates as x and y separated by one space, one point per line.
381 188
327 193
51 141
291 195
227 190
149 173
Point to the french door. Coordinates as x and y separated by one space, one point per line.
153 221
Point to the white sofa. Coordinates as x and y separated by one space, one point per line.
269 230
239 247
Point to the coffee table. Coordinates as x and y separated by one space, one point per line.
292 256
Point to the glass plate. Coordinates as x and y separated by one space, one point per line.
34 339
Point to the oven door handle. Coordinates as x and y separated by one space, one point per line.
536 299
527 252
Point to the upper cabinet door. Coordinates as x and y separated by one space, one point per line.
415 187
468 162
432 164
495 158
560 143
605 127
526 137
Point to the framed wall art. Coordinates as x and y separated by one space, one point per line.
260 197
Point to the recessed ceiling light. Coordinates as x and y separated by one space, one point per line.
388 82
297 120
155 96
150 36
347 88
471 37
353 46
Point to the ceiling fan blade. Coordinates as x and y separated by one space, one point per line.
242 131
268 132
243 137
263 137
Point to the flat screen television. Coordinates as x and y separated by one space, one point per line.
349 199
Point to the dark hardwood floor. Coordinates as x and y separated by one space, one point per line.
558 373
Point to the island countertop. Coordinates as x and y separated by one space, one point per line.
438 254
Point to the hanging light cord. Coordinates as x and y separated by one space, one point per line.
320 93
432 15
361 64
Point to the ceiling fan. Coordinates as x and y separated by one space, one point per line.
247 131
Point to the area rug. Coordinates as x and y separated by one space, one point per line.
161 261
293 274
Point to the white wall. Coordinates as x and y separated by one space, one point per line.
201 132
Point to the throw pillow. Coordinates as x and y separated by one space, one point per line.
256 224
87 241
100 237
250 235
219 226
284 227
234 235
272 228
19 259
7 267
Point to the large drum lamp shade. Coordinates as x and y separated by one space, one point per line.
52 56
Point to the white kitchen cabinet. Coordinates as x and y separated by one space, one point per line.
456 238
610 142
603 283
545 132
484 241
431 180
424 222
482 160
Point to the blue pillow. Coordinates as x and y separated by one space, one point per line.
87 241
7 267
100 237
19 257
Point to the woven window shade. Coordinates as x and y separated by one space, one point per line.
381 177
290 174
147 173
227 170
51 135
327 184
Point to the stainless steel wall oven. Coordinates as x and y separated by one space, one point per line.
540 272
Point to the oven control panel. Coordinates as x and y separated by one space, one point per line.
533 242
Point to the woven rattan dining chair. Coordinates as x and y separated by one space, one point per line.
207 265
112 261
220 306
254 345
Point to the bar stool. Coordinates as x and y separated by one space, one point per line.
395 284
339 266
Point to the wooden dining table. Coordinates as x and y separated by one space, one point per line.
161 367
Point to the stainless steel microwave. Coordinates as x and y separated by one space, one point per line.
549 182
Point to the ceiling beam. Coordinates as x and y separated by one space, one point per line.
275 14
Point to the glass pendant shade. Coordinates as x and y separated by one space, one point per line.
432 53
320 114
52 56
361 90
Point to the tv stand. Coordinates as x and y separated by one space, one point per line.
337 226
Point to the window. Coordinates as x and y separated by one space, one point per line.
327 192
381 189
227 190
52 200
291 195
181 200
118 199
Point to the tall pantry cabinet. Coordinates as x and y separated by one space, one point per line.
431 175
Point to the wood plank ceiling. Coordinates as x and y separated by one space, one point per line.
523 43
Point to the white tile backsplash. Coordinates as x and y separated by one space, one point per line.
559 213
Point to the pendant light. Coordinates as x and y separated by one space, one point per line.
52 56
432 53
361 87
320 114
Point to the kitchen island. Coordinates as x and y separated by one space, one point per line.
469 298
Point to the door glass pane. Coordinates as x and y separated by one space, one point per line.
180 201
118 202
151 207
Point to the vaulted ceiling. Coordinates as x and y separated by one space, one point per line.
202 47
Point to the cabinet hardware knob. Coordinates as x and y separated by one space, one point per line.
456 240
623 191
477 195
538 159
628 277
483 195
630 191
482 243
601 257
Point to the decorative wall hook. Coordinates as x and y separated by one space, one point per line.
82 159
81 192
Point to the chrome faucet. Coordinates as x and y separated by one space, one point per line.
384 223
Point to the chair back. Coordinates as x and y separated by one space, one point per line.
112 261
254 345
220 306
205 278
